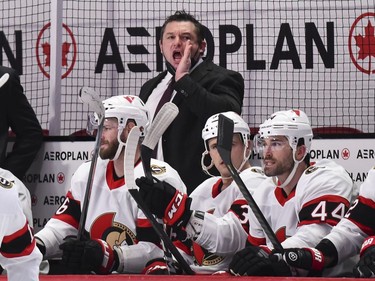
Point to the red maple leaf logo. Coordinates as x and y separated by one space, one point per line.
47 52
366 44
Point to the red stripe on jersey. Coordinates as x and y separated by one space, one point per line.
67 219
328 198
366 229
182 247
19 233
18 244
111 181
281 196
69 211
240 202
325 209
256 241
26 251
143 223
216 189
367 201
199 253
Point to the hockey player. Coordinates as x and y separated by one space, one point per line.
300 201
212 223
19 255
344 241
119 237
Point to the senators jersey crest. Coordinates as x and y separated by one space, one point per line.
114 233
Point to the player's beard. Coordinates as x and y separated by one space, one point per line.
280 168
110 151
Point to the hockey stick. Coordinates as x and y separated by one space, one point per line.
159 125
129 157
165 116
4 79
90 97
129 160
224 146
161 122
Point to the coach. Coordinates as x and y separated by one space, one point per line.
198 87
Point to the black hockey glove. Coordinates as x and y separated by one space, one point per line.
165 201
90 255
309 259
366 265
254 261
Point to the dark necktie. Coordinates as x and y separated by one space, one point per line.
166 97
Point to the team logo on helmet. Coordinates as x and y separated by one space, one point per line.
6 183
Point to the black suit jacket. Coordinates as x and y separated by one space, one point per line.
208 90
17 114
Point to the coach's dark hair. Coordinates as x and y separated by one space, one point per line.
184 16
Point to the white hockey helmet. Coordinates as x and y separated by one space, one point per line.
211 127
124 108
293 124
210 131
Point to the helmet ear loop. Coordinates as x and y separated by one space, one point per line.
246 155
248 147
303 157
296 163
204 167
121 143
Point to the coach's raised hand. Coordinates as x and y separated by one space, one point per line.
165 201
184 66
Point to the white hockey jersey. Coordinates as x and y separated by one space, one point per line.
301 219
18 253
225 224
112 216
358 223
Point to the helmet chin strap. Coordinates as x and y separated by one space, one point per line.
121 144
289 178
244 160
292 173
206 168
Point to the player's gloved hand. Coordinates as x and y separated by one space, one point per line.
254 261
89 255
165 201
309 259
366 265
159 266
156 267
